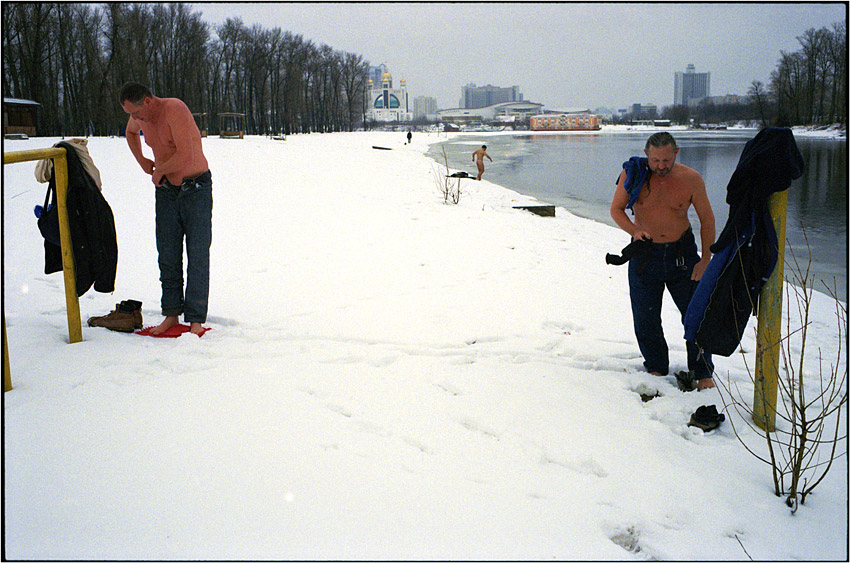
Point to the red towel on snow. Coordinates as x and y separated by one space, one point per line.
173 332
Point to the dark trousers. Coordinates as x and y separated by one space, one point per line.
185 211
667 265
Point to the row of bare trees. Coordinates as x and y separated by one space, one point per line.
72 58
810 85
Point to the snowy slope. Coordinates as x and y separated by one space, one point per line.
387 377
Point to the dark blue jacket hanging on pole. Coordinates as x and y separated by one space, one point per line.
747 249
92 227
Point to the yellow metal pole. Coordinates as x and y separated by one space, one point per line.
7 371
770 324
60 166
72 302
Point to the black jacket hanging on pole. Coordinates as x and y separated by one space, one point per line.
746 251
92 227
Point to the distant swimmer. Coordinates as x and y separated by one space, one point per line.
478 158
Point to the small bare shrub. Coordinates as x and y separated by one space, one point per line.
446 185
808 417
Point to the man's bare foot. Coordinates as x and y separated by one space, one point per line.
165 325
705 383
196 328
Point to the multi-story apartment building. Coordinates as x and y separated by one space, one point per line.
690 85
424 107
473 96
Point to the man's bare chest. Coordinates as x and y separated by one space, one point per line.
158 137
664 195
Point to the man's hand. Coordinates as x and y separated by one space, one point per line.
699 269
147 165
641 235
157 177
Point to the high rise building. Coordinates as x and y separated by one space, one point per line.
690 85
424 107
482 96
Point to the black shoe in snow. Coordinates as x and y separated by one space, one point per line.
706 418
686 380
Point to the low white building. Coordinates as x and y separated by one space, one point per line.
505 111
387 103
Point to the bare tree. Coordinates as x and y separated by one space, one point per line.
758 93
355 73
837 53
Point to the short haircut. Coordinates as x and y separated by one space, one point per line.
661 139
483 146
134 92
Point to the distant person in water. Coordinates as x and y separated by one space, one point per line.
478 158
672 261
183 184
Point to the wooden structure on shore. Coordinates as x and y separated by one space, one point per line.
231 125
20 117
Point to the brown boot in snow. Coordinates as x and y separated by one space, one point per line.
125 318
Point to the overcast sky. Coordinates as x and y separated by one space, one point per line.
561 55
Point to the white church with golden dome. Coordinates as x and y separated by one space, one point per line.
387 103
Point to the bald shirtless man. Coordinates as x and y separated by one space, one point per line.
478 158
661 214
183 199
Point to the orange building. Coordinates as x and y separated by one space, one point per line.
565 122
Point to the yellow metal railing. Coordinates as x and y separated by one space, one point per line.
72 302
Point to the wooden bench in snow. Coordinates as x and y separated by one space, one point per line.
542 210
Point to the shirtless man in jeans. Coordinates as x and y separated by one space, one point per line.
661 214
183 199
479 155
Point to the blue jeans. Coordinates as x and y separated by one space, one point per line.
667 265
185 211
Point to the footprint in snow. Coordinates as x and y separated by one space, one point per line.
563 327
448 388
473 426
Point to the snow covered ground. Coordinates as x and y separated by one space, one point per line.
387 377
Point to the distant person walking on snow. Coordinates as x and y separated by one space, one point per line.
409 136
660 206
183 199
478 158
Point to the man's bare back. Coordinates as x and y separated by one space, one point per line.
478 158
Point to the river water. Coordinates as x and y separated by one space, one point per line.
578 172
